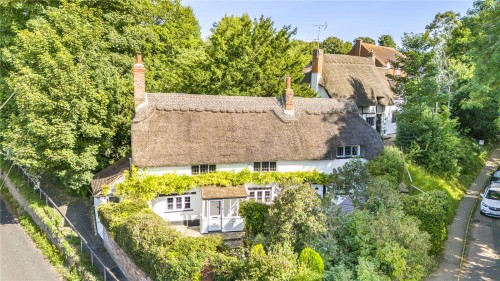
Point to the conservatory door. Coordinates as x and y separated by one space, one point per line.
215 215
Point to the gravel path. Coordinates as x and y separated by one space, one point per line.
19 257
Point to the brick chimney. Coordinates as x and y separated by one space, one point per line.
288 95
357 47
139 72
317 69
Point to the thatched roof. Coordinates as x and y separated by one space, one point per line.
180 130
345 77
383 55
109 174
217 192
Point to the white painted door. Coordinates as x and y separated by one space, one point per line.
215 215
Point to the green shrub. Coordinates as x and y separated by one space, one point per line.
312 260
227 268
279 264
388 164
114 214
255 215
159 250
431 209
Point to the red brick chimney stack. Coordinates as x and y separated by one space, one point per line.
288 95
139 72
357 47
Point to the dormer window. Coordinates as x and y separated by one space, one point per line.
347 151
202 169
264 166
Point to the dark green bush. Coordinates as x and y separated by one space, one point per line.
312 260
431 209
255 215
388 164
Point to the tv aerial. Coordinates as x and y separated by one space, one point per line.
320 27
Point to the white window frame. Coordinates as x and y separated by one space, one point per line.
179 199
259 167
261 194
347 148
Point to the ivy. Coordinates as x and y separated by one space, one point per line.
147 187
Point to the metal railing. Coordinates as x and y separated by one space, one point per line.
95 261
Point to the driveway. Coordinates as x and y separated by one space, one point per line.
19 257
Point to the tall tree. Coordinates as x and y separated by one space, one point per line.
71 71
368 40
334 45
251 58
387 41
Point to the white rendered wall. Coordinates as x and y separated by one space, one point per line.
98 201
159 206
315 81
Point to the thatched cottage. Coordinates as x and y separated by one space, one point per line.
359 79
193 134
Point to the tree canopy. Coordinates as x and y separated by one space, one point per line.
334 45
368 40
386 40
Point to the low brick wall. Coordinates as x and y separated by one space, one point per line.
128 267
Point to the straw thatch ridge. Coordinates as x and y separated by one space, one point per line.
181 130
109 174
350 77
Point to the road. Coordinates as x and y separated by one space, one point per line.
19 257
483 259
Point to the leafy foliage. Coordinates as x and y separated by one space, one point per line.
159 250
368 40
350 179
334 45
431 209
251 58
312 260
295 217
147 187
255 215
430 139
388 163
387 41
70 68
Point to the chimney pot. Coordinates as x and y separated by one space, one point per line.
138 58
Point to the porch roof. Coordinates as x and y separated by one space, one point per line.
217 192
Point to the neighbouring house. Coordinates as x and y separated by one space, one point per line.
384 58
194 134
343 77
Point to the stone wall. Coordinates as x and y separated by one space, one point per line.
128 267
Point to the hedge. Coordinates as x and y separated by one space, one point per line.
158 249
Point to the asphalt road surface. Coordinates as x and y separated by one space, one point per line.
19 258
483 259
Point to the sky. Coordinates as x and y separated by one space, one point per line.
344 19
